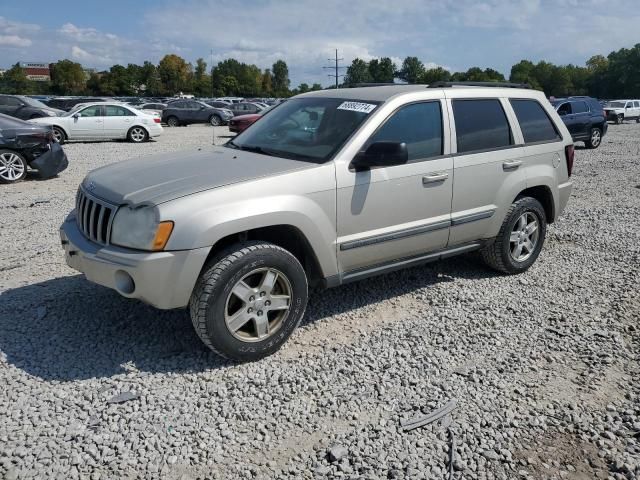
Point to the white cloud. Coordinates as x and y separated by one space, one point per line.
14 41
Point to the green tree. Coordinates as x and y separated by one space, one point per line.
412 70
437 74
68 78
174 74
382 71
523 72
357 72
267 83
15 81
229 86
280 78
201 81
316 86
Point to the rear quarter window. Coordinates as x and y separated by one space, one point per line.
534 122
481 125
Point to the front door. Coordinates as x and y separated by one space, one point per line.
388 213
582 118
88 123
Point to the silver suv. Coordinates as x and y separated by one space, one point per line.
329 187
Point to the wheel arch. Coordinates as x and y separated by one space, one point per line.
64 130
289 237
543 194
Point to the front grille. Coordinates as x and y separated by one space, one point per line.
94 217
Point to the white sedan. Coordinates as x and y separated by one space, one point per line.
95 121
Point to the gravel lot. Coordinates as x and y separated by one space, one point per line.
544 366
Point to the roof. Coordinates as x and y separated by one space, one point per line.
374 94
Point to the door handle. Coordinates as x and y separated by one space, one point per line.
435 178
512 165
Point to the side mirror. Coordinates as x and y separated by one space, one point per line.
76 115
381 154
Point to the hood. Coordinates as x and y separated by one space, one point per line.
159 178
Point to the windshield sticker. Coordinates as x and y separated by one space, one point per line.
357 107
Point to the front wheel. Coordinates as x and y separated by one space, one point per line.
59 135
13 166
137 135
595 139
520 239
215 120
248 301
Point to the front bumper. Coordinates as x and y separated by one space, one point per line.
51 163
162 279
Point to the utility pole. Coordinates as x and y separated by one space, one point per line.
212 73
337 68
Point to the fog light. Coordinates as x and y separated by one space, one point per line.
124 282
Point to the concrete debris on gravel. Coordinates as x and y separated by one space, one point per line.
540 394
123 397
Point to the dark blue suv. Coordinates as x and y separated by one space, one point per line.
584 118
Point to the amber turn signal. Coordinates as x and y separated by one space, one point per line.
162 235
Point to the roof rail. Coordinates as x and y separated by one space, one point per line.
373 84
479 84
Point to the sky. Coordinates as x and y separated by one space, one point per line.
456 34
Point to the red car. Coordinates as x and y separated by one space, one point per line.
241 122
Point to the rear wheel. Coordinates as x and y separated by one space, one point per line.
247 302
215 120
173 122
521 236
595 139
619 119
137 135
13 166
59 135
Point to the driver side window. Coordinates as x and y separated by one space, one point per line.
94 111
564 109
419 125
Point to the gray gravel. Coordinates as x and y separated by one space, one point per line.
544 366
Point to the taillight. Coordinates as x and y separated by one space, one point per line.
156 119
569 154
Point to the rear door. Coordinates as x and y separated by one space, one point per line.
87 123
487 166
117 121
582 118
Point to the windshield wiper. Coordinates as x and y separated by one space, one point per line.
258 149
230 144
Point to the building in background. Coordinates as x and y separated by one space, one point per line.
37 71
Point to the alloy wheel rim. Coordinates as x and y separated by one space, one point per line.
524 237
57 135
137 134
172 122
214 121
11 166
595 137
258 304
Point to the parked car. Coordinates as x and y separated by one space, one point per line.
104 121
68 103
620 110
155 108
585 119
187 112
245 108
23 146
331 187
218 104
24 108
240 123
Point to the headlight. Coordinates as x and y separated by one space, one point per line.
140 228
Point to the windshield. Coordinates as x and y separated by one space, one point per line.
32 102
310 129
616 104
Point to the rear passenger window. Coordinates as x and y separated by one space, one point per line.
534 122
481 125
579 107
419 126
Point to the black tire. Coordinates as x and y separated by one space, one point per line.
498 254
137 135
215 120
173 121
212 295
595 138
59 135
619 119
13 166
